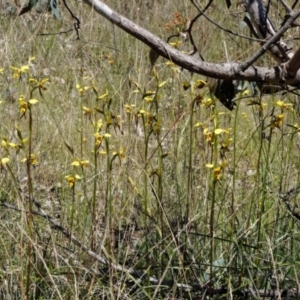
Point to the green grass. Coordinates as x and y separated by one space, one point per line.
164 191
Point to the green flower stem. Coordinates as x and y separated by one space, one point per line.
30 217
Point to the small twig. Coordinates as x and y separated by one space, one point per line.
289 11
286 199
267 11
55 33
226 29
244 66
249 24
77 23
189 29
295 3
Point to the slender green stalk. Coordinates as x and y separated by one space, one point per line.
108 193
190 155
212 191
93 206
264 174
258 170
30 217
69 273
235 130
72 209
160 235
145 194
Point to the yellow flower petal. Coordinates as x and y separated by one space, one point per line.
200 84
198 124
162 84
246 93
75 163
104 95
4 160
13 145
24 69
86 110
71 180
219 131
33 101
84 163
210 166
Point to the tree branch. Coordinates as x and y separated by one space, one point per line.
231 71
225 29
271 41
293 65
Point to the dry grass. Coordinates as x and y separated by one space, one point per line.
147 201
